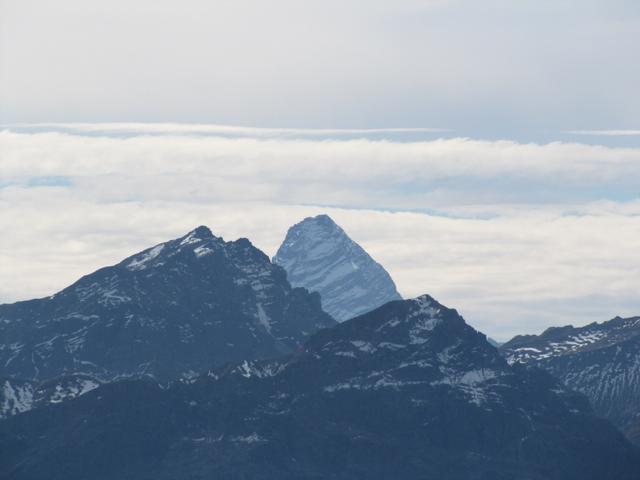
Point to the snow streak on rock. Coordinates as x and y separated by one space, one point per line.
601 360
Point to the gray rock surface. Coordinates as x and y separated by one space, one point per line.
318 255
407 391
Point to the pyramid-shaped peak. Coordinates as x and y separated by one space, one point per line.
319 255
322 219
320 224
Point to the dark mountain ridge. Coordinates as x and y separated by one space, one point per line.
601 360
408 390
169 312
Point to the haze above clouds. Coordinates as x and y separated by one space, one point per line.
485 152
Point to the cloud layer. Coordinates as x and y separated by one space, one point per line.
445 173
517 236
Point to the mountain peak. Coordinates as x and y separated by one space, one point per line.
318 255
320 227
322 219
200 233
169 311
409 329
424 299
198 240
203 232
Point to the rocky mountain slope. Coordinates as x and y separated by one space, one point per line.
318 255
601 360
408 391
170 312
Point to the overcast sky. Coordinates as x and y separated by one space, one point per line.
486 152
526 69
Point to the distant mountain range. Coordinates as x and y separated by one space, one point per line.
197 358
318 255
601 360
407 391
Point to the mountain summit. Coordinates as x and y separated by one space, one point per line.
318 255
169 312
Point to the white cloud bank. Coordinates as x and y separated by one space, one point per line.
209 129
517 236
607 133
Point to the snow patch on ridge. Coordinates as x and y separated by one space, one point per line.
140 261
251 438
263 318
253 369
74 390
190 239
425 318
201 251
15 399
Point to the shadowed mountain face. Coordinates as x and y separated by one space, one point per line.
318 255
408 391
601 360
170 312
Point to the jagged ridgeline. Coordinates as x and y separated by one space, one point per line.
169 312
407 391
272 387
601 360
318 255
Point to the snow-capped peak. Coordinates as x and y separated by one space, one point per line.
200 240
318 255
141 260
197 235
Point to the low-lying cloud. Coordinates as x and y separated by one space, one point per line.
517 236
